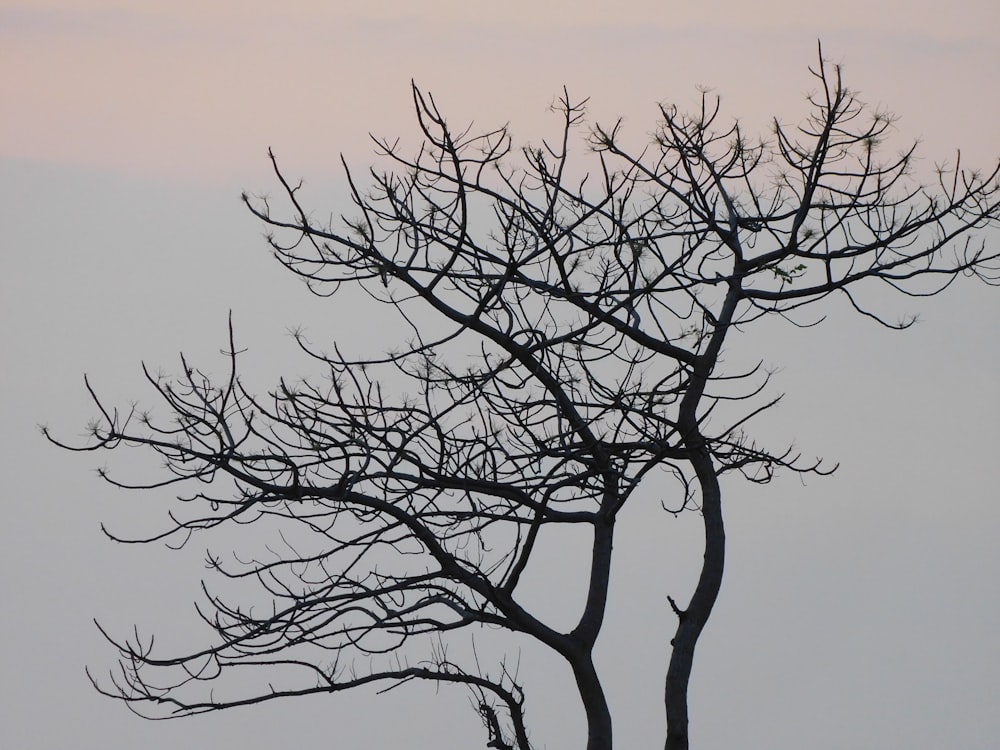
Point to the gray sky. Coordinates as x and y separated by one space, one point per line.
859 610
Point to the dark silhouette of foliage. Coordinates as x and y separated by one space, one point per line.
563 349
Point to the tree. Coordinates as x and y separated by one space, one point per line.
564 350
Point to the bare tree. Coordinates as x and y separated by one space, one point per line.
563 350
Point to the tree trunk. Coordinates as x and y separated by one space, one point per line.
595 704
692 620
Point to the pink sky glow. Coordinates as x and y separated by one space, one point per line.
200 91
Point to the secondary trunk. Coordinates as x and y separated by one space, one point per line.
691 621
595 704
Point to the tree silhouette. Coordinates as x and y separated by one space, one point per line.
565 333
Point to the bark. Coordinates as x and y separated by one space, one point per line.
692 620
584 636
594 702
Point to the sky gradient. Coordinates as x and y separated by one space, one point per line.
859 610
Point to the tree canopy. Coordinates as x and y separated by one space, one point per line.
564 327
